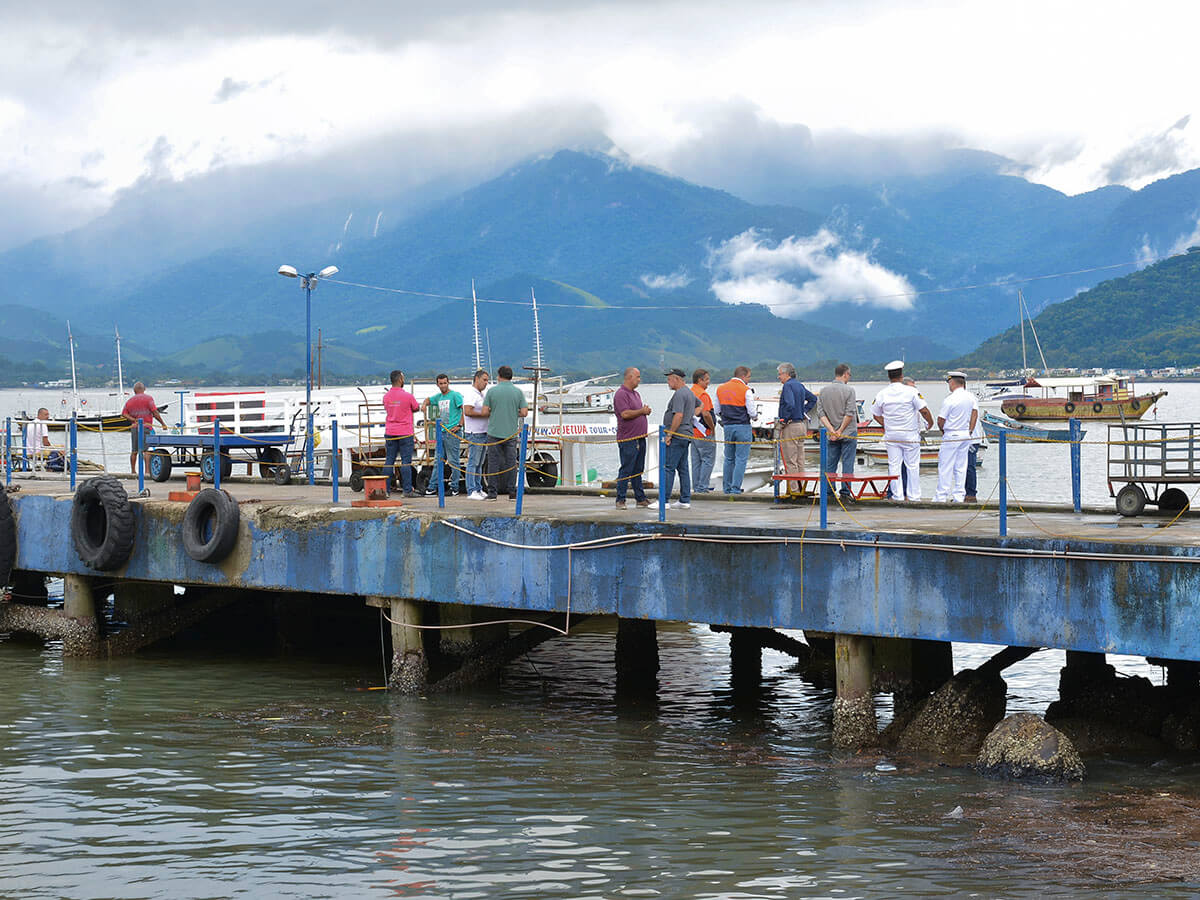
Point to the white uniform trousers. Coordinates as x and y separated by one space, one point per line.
904 449
952 466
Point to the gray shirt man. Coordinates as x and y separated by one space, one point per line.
836 401
682 401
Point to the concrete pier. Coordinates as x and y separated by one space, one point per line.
410 667
636 656
854 724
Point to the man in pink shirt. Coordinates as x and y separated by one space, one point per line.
140 407
399 405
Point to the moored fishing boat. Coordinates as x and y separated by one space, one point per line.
1081 397
996 424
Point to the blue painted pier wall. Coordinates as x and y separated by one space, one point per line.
1112 597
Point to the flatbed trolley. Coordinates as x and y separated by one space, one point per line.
267 451
1148 461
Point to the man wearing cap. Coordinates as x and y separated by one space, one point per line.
738 408
957 419
677 428
900 409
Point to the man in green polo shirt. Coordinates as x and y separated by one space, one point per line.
506 407
445 407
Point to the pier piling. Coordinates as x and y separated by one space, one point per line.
410 667
854 725
637 656
81 628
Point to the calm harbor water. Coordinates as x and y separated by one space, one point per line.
195 773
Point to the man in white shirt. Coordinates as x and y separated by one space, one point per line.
900 409
957 420
37 438
475 425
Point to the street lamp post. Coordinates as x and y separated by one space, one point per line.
309 283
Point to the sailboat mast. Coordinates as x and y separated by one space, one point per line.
537 334
1021 319
74 384
120 374
475 318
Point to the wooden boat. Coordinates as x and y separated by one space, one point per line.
877 455
106 422
996 424
1081 397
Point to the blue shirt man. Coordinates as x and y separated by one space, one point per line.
795 402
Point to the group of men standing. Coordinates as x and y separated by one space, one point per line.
488 419
689 428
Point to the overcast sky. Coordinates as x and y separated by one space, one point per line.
96 95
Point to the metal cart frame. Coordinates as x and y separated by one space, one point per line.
1150 460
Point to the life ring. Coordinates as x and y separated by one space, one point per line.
210 526
1070 407
1135 404
1097 407
102 523
1020 409
8 538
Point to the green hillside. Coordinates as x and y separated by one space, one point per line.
1148 319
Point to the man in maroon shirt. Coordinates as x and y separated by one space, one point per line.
140 407
631 437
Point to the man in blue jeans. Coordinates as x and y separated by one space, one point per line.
677 428
837 411
631 437
738 408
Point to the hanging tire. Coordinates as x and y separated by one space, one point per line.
283 475
1069 407
1172 500
542 470
1097 407
102 523
210 526
1135 404
160 465
1131 500
269 459
8 539
1019 409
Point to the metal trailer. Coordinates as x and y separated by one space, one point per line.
1149 460
267 451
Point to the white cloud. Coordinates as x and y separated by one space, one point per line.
1188 240
672 282
801 274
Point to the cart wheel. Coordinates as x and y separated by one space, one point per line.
283 475
1131 500
206 466
421 480
1172 500
226 466
160 465
356 483
269 459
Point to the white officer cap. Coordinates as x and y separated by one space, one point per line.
894 365
961 375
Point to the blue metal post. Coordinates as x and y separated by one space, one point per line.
217 454
1003 484
438 461
1076 464
337 461
181 394
662 483
824 484
8 450
73 442
520 466
141 460
308 449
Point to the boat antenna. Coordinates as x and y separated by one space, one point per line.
475 317
488 336
120 374
537 334
1037 343
1021 319
74 384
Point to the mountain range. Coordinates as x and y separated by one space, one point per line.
626 263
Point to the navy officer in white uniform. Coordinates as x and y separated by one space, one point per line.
900 409
957 420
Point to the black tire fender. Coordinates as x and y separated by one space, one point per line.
1097 407
1020 409
102 523
210 526
1135 404
8 538
1069 407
